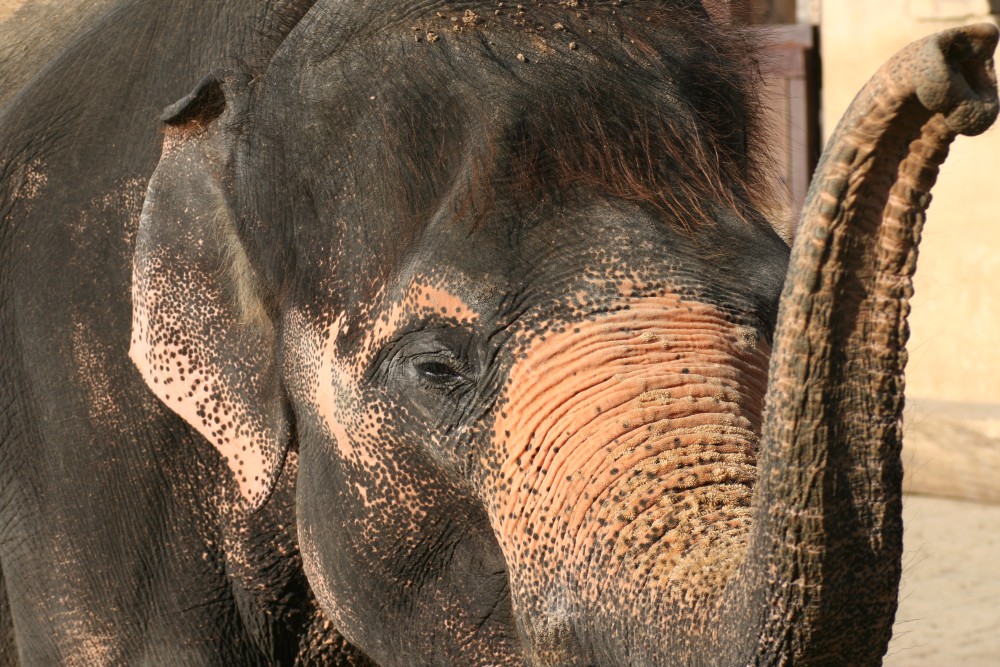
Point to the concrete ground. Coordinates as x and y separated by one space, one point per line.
949 611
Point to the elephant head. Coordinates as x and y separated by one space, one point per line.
501 276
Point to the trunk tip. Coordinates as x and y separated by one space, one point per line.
956 77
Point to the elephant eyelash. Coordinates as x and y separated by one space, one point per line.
442 372
435 371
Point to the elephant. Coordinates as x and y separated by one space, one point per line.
452 333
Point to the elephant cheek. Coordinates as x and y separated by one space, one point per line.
337 432
624 461
316 574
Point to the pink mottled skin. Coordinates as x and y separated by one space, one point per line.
452 351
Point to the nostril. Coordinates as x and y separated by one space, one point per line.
974 68
975 63
976 73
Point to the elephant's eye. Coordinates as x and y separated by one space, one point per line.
439 374
430 368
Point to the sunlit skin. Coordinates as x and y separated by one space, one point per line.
469 350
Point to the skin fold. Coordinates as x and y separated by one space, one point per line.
453 334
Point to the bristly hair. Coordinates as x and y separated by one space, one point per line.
681 151
657 105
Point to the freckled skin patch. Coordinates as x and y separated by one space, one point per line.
182 339
328 381
384 484
626 452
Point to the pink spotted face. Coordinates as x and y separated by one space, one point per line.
525 399
388 512
516 451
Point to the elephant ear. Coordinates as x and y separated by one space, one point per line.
201 337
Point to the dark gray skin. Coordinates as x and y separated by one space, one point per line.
482 326
113 546
35 33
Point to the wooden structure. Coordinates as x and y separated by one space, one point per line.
790 68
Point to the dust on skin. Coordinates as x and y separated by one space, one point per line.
84 642
32 181
92 363
312 565
546 31
124 200
634 428
35 179
93 360
89 647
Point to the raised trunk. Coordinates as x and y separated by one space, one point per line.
820 578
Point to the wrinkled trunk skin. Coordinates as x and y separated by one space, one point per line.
819 584
637 522
627 473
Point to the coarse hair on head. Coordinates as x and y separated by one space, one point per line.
655 104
